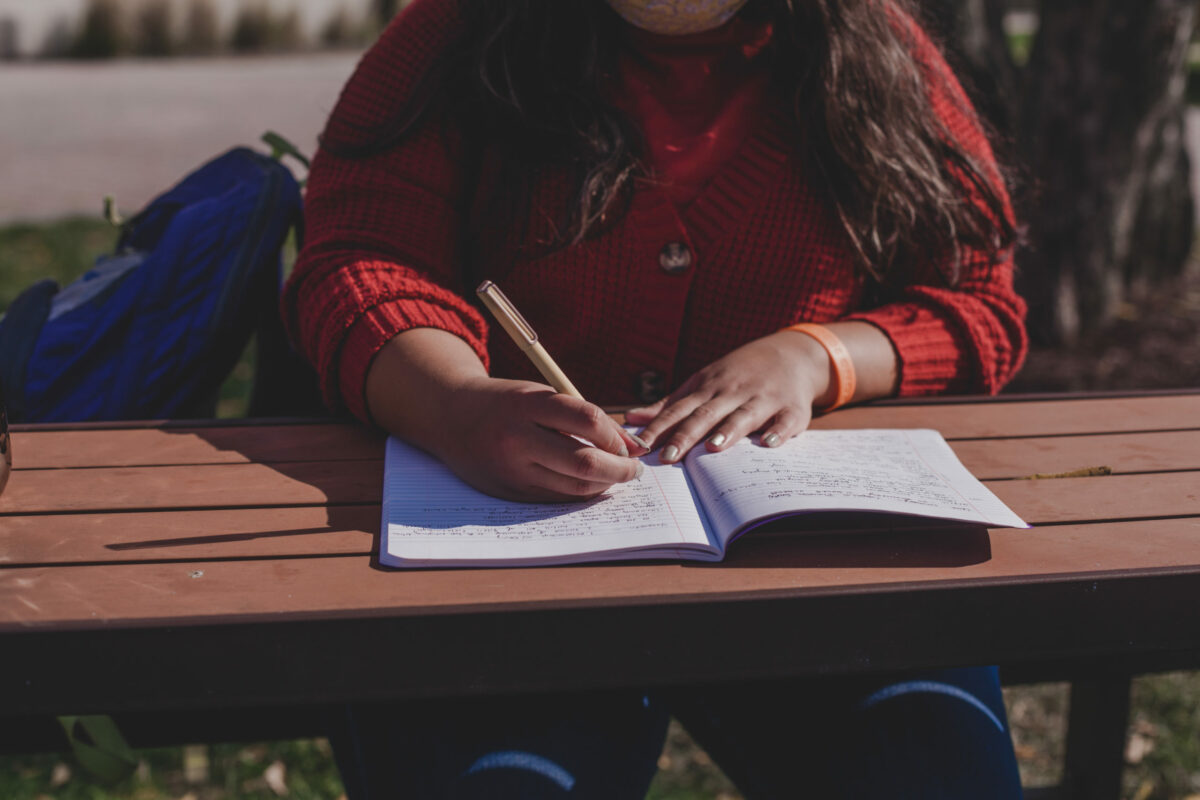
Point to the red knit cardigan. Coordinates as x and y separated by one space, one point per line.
639 308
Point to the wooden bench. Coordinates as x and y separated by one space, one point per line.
226 568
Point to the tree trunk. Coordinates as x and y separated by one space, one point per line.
1095 124
1102 130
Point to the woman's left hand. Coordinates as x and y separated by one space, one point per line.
769 384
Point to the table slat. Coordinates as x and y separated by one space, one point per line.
202 445
312 483
1006 420
200 486
1123 452
207 445
1102 498
125 595
194 535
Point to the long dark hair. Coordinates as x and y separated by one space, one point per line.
529 72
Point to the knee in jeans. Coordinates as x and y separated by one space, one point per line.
935 688
525 762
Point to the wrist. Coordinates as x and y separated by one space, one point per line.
816 368
415 379
840 379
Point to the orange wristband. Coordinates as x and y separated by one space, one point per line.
839 357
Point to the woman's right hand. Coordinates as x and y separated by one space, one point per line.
521 441
513 439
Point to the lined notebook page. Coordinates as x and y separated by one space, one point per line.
429 514
890 471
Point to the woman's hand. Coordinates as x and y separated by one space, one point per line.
521 441
769 384
511 439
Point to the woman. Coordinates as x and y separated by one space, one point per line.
664 189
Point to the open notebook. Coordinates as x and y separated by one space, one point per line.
691 510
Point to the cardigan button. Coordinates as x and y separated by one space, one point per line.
674 258
651 386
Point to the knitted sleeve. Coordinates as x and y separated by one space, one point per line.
972 337
381 253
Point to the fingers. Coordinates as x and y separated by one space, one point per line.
561 449
571 468
576 417
786 424
641 416
668 412
636 444
551 486
743 421
522 441
720 422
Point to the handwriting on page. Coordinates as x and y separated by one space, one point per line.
829 470
425 502
628 509
865 470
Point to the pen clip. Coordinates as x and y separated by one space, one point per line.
504 311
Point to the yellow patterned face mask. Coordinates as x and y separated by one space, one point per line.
677 17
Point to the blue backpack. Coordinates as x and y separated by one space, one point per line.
151 331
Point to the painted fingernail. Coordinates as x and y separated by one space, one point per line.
670 453
637 473
623 451
717 439
638 441
647 439
772 440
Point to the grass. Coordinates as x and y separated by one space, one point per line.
60 250
302 770
1163 758
1164 738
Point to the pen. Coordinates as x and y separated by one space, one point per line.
526 338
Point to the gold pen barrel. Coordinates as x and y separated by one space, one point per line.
550 371
506 314
525 337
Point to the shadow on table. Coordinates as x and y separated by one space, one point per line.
852 547
343 463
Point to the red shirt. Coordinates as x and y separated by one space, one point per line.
695 98
665 290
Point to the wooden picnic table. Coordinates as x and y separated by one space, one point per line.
160 568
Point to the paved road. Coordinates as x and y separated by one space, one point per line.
69 133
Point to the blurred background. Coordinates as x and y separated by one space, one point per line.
123 97
1093 107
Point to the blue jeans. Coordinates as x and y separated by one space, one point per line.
935 735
